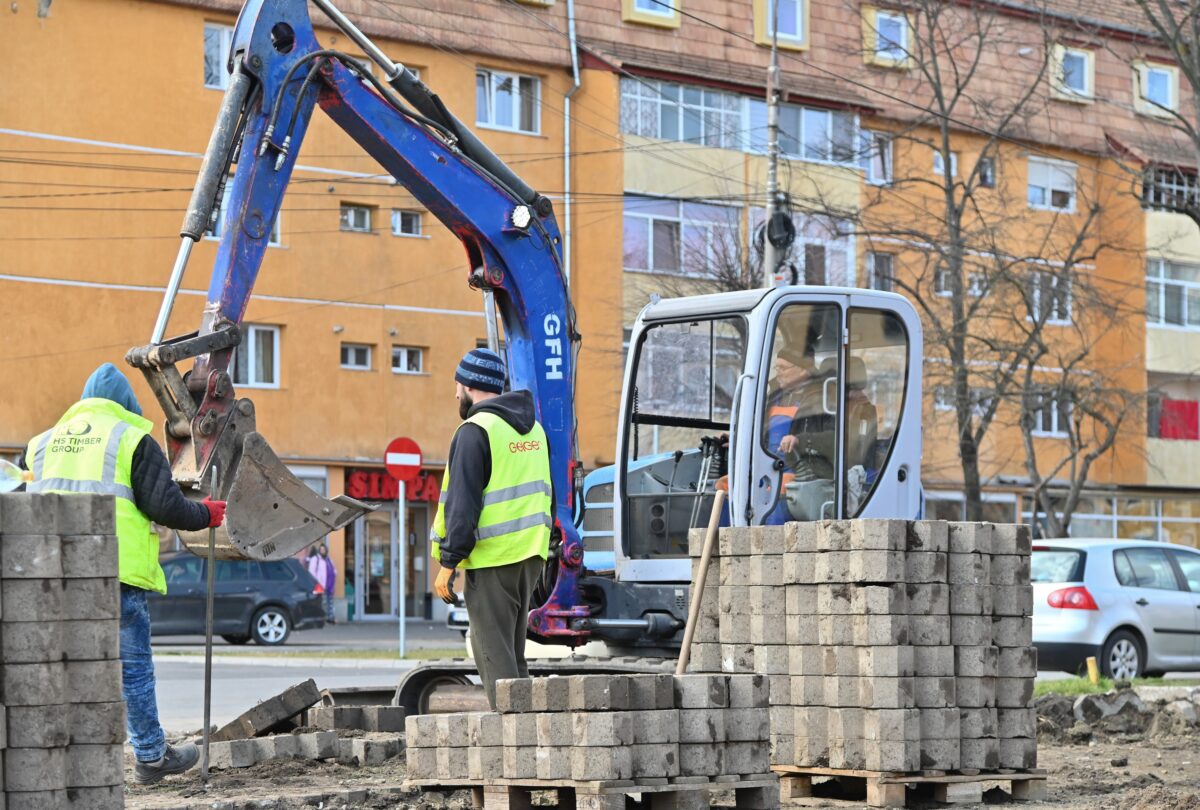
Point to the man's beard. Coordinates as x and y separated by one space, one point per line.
464 405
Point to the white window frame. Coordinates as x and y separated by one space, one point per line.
225 42
217 229
1141 73
251 334
1064 91
876 144
798 38
1187 289
491 79
1049 399
1039 279
710 228
1049 166
354 348
939 167
398 219
888 56
987 174
873 270
655 9
352 227
407 350
974 285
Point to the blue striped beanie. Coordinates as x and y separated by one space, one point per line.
481 369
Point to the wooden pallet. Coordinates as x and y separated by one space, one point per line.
888 789
759 792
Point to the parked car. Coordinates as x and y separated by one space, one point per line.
264 601
1134 604
456 619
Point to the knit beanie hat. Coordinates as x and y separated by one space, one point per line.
483 370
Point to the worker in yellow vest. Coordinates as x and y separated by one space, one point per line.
494 515
102 445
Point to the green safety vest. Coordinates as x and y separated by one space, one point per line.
90 451
515 522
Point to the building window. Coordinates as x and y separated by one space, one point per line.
1172 419
356 218
785 17
671 236
356 356
507 101
1168 189
1051 184
942 284
944 400
1074 73
1051 296
218 223
407 360
256 358
661 13
1156 88
1050 412
987 172
880 267
875 155
406 223
886 38
218 39
1172 294
808 133
939 163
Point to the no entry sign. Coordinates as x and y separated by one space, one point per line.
403 459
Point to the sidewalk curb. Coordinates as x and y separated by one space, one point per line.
289 662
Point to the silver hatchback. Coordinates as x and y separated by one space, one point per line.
1134 604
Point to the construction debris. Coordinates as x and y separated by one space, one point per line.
319 745
271 715
62 719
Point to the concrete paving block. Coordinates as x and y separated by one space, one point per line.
939 724
841 690
879 630
768 629
808 690
832 566
484 763
978 723
451 762
975 693
1014 693
264 748
925 567
286 746
879 600
811 752
833 535
747 758
696 542
802 629
708 628
3 740
971 600
552 694
892 725
844 724
928 535
518 730
30 556
1011 538
968 569
982 753
767 540
930 631
31 600
887 693
834 630
335 717
933 660
734 572
655 761
705 657
227 754
42 726
942 755
734 541
901 755
420 730
95 598
346 751
800 568
31 769
747 725
701 691
734 628
377 751
1012 600
800 599
34 685
834 599
1018 662
782 720
109 797
36 800
591 764
970 631
970 538
31 642
1016 723
95 765
421 763
737 658
847 753
552 762
29 513
701 726
802 537
976 661
783 749
935 692
732 599
878 535
748 691
765 571
886 660
1010 569
877 566
453 732
323 745
805 659
93 681
89 555
600 729
86 514
514 695
95 723
595 693
485 729
95 640
771 659
554 729
1012 631
653 727
780 688
1018 753
928 598
383 718
767 600
702 759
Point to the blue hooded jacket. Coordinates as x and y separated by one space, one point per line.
107 382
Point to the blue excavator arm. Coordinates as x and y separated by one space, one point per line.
278 74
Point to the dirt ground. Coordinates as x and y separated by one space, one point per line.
1156 773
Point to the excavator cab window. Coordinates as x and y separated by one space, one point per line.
680 413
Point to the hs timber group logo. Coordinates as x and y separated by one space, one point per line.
79 427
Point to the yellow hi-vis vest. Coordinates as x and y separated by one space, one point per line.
515 522
90 451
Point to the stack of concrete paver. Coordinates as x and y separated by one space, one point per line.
62 721
888 645
650 729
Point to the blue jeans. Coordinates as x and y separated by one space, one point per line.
137 677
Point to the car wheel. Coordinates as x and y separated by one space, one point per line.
1122 656
464 633
236 639
270 627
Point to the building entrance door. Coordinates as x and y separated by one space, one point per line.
375 550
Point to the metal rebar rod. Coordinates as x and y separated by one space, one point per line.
208 638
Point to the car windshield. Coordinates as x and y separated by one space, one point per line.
1056 565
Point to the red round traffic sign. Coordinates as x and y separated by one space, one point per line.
403 459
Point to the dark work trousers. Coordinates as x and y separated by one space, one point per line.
498 608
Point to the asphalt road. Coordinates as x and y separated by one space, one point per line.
346 636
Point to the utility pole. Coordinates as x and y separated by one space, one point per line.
773 249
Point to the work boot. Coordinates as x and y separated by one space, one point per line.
175 760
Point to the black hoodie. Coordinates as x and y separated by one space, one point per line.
471 469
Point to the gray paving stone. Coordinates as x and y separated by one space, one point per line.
31 642
32 600
808 690
934 660
980 753
767 600
383 718
318 745
485 729
928 535
109 797
554 730
887 693
1011 538
1012 600
28 513
925 567
747 725
518 730
970 538
652 692
553 762
1012 631
1016 723
421 763
485 762
701 691
833 631
705 657
453 731
877 566
771 659
93 681
1010 569
800 568
887 660
94 640
975 693
420 731
932 631
95 766
968 569
551 694
970 631
36 800
748 691
880 630
34 769
1018 662
89 555
46 726
847 753
1018 753
844 724
701 759
701 726
812 752
594 693
85 514
737 658
939 724
30 556
589 764
746 758
655 727
977 723
800 537
902 755
938 692
842 691
514 695
782 720
976 661
655 761
892 725
805 659
833 535
95 598
33 685
452 763
878 535
601 729
768 630
1014 693
802 630
832 566
734 541
734 571
928 598
232 754
767 540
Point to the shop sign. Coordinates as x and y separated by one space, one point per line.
377 485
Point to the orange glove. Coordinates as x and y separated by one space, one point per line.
444 585
216 512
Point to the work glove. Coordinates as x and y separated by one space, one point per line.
444 585
216 512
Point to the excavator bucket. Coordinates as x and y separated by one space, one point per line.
271 514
